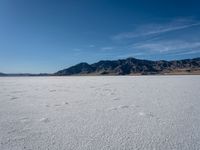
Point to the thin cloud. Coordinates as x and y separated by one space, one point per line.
188 53
167 46
155 29
77 50
180 53
107 48
91 46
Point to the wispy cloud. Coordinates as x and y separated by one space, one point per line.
77 50
167 46
155 29
91 46
107 48
188 52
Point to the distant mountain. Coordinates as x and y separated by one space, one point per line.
133 66
2 74
22 74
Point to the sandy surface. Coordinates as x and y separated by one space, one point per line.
100 113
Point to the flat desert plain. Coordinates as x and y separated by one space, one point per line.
100 113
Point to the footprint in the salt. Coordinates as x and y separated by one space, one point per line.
24 120
45 120
113 108
18 91
148 115
135 106
124 106
52 90
119 107
65 103
106 90
13 98
116 99
57 105
112 93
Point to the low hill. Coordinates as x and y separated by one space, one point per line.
2 74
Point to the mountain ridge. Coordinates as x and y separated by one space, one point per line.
128 66
133 66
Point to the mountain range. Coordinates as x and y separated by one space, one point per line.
133 66
129 66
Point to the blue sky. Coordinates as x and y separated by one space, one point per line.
49 35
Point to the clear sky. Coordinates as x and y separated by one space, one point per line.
49 35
